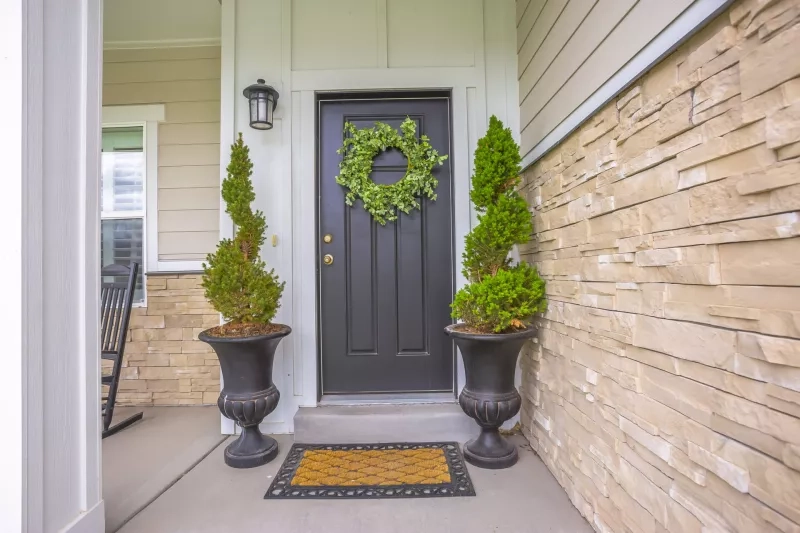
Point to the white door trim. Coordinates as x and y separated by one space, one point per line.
305 296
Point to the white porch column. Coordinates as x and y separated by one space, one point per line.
50 64
11 449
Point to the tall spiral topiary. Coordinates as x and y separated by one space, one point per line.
499 297
235 278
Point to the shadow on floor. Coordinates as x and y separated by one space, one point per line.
213 498
142 461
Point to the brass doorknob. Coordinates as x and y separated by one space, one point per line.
327 259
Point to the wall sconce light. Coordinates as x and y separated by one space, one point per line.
263 101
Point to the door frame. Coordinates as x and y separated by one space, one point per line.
377 95
293 153
298 355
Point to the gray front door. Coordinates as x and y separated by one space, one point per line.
385 298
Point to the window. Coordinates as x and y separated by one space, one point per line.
123 199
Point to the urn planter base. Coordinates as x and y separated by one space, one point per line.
490 450
251 449
249 394
489 395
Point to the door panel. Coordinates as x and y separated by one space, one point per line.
384 300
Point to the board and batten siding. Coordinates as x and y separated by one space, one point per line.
568 50
187 82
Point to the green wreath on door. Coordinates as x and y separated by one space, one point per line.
383 202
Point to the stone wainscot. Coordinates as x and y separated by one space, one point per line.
164 363
664 390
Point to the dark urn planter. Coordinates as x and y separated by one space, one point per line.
248 394
489 396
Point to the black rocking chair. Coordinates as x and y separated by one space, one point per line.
116 300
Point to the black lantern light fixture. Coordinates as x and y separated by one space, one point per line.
263 101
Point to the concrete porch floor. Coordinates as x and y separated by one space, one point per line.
213 497
142 461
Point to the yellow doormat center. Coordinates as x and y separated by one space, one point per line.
358 468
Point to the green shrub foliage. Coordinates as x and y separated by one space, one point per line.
235 278
500 297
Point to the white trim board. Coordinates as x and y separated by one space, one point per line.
177 267
18 150
227 128
683 27
91 521
163 43
384 78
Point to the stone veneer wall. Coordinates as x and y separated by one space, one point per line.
164 363
664 390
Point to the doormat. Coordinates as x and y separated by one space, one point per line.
344 471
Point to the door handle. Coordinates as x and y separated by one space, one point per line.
327 259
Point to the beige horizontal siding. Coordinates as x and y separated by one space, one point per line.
187 81
161 54
180 155
161 92
195 133
171 70
533 36
568 22
189 112
569 48
187 220
187 245
187 177
528 17
186 199
522 6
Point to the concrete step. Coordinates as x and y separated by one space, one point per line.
354 424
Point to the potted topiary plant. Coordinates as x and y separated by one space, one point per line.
497 305
238 285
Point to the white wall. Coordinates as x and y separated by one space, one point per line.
50 203
304 46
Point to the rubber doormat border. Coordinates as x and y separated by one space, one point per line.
460 482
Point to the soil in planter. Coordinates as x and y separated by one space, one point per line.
463 328
245 330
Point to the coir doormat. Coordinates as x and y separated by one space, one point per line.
343 471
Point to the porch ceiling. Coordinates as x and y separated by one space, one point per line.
144 23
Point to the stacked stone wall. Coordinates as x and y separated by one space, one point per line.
664 389
164 363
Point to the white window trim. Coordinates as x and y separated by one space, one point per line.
180 266
148 117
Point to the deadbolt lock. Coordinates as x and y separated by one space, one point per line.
328 238
327 259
